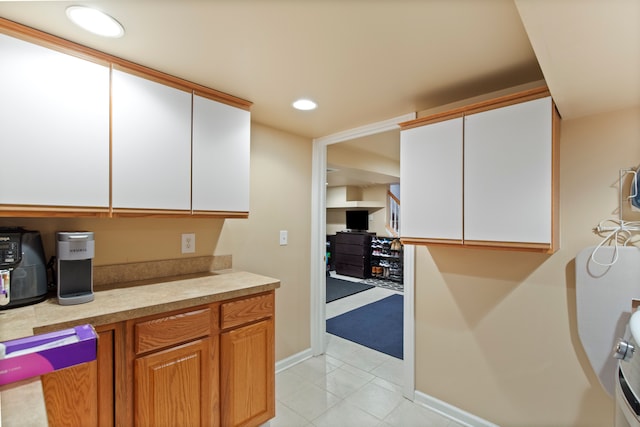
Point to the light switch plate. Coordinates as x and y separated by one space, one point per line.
284 237
188 243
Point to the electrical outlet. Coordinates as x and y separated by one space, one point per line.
188 243
284 237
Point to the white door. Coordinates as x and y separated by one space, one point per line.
221 154
508 172
54 127
431 177
151 144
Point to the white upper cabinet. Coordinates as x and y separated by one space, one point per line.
221 145
151 144
507 173
431 181
54 127
485 176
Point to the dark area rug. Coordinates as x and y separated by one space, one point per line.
337 288
377 325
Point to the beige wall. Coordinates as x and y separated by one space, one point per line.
377 217
341 155
123 240
337 196
496 331
280 200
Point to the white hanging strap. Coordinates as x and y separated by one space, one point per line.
614 233
634 184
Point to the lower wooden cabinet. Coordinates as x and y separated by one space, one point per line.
209 366
84 395
247 372
173 387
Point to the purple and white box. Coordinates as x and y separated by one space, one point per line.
37 355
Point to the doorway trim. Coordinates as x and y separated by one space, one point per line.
318 250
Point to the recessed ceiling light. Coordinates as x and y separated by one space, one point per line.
304 104
95 21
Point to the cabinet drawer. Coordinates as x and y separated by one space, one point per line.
246 310
362 272
170 330
353 238
358 260
352 249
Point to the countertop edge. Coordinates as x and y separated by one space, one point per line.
213 288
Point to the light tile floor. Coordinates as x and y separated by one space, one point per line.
349 386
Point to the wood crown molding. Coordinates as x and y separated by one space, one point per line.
53 42
490 104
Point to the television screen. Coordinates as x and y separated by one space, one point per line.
358 220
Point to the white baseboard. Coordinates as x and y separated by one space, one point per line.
283 364
451 412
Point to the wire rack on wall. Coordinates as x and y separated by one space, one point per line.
621 232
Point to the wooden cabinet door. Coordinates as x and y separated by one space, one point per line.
221 144
84 395
247 372
151 144
71 396
508 174
173 387
54 127
431 181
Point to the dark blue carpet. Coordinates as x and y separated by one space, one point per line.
377 325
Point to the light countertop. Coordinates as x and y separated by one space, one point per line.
111 305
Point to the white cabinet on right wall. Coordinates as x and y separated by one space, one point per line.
431 170
507 171
507 188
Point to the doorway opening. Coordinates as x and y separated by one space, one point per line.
318 250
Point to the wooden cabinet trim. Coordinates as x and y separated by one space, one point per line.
50 41
220 214
426 241
477 107
431 119
245 310
512 246
52 211
555 179
522 246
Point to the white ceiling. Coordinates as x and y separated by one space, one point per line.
365 61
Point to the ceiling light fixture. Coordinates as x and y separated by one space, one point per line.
95 21
304 104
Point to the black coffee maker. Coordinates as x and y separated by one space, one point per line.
23 274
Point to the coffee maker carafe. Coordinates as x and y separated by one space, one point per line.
75 252
23 275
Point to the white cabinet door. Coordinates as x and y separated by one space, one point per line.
151 144
221 145
431 181
54 127
508 173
